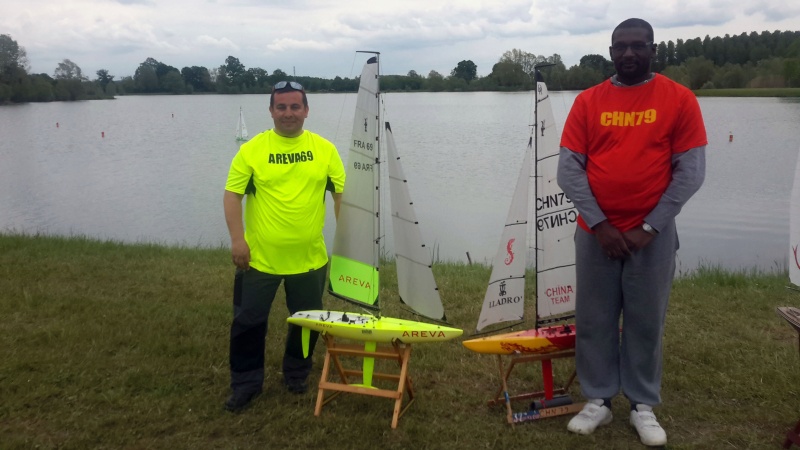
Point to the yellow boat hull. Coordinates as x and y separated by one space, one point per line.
538 341
365 327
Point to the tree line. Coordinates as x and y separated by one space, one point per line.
766 59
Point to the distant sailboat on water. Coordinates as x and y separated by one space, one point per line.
241 127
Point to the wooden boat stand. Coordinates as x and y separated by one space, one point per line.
547 393
396 351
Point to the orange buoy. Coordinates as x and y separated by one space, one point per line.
730 136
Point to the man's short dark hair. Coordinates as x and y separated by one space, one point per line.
635 23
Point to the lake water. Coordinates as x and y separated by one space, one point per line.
153 168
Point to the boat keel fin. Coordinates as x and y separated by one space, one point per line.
306 338
368 365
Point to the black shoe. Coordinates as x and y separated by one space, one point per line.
297 386
240 400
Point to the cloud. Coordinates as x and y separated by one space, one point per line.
773 12
320 35
222 43
135 2
287 44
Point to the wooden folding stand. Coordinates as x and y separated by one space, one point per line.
547 393
369 351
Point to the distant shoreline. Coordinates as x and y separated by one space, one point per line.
749 92
735 92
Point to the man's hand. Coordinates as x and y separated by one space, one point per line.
611 240
637 238
240 253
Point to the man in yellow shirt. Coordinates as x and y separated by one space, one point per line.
284 172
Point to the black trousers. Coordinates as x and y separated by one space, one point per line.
253 293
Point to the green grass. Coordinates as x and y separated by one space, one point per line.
104 345
749 92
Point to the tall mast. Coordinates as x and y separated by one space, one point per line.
537 130
377 173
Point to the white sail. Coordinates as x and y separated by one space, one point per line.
241 127
416 285
794 227
504 299
354 262
555 222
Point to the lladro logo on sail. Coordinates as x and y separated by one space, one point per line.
504 300
559 294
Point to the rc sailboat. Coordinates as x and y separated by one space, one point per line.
546 226
554 220
354 267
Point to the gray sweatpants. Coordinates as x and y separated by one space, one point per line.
636 289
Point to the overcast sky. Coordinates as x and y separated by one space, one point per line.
319 37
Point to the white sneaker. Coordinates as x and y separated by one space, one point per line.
650 432
593 415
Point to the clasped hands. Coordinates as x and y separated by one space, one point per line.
619 245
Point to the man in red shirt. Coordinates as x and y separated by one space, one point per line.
632 154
